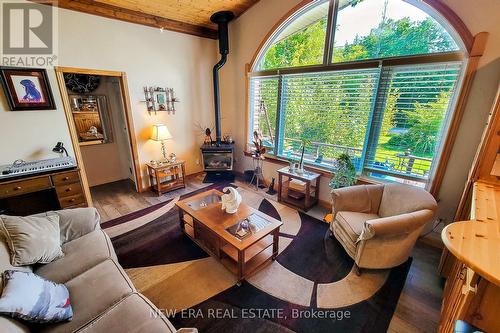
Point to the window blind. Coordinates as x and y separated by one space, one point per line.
409 119
329 109
263 108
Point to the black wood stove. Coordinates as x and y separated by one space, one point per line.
218 157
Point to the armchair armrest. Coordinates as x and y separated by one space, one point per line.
396 225
360 198
75 223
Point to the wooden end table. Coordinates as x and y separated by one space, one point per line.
310 191
165 177
203 220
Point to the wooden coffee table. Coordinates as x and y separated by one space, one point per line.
203 220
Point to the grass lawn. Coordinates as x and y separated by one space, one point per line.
385 152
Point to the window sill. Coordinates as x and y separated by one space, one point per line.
325 173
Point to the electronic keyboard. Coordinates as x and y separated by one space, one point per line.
22 168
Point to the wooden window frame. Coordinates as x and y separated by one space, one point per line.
474 49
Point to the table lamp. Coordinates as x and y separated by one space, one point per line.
161 133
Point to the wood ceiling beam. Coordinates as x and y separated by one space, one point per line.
127 15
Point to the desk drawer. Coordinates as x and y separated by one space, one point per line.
72 200
68 190
24 186
66 178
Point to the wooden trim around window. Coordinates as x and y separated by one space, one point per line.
364 64
454 21
474 46
448 14
475 54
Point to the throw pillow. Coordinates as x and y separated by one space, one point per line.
30 297
32 239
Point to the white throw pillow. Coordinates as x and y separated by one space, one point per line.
30 297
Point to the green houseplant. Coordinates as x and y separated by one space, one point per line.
344 174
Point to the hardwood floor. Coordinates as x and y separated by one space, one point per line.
419 305
120 198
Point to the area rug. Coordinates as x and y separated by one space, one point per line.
310 287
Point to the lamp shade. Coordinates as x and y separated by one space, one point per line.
160 132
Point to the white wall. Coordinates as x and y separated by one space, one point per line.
249 30
149 57
31 135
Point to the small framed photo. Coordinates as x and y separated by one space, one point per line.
27 88
160 98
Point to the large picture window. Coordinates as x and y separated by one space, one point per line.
381 90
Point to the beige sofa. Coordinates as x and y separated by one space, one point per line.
102 296
378 225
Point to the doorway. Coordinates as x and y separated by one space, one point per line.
98 114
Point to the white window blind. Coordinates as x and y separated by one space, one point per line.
263 108
329 109
409 119
391 120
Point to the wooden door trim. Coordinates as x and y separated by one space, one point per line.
122 76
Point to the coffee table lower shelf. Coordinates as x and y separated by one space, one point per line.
241 263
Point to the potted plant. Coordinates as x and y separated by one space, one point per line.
344 174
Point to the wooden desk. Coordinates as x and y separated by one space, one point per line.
36 194
167 177
472 292
206 226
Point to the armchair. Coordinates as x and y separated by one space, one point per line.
378 225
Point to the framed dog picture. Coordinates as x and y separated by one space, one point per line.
27 88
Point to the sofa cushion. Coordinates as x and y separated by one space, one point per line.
92 293
133 314
5 261
81 254
352 223
76 222
9 325
32 239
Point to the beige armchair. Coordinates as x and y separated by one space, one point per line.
378 225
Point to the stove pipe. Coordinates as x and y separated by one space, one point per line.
221 19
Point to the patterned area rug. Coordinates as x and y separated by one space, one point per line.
310 287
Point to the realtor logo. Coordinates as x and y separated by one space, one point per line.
28 34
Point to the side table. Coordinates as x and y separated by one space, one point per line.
303 199
165 177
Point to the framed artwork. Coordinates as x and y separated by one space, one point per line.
160 98
27 88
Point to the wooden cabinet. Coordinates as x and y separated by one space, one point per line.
471 298
36 194
69 189
16 188
471 260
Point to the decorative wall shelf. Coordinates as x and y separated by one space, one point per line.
160 99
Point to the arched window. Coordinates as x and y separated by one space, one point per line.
375 79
